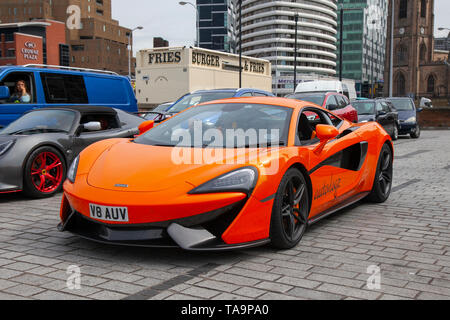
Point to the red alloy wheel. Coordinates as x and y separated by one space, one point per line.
46 172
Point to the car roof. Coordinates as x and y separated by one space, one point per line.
275 101
83 109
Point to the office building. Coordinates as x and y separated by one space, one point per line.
364 43
217 24
95 39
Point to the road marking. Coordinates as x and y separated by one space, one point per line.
163 286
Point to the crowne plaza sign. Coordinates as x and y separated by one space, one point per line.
30 51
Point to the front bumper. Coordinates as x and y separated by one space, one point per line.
202 232
406 128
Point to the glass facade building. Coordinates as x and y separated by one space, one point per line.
364 43
217 25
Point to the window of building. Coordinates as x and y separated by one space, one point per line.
423 8
403 11
401 85
430 84
402 55
423 53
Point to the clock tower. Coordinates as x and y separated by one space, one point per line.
413 48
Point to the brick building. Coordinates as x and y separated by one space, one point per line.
37 42
95 39
419 70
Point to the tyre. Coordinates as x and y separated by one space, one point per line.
416 133
382 183
44 173
394 135
290 211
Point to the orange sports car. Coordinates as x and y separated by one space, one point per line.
227 174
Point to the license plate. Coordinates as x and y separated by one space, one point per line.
106 213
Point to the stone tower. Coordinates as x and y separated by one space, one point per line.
413 48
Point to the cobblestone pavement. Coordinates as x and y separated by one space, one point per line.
408 238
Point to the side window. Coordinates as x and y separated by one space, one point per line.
258 94
332 103
21 87
247 94
379 107
341 102
107 121
64 88
308 120
386 107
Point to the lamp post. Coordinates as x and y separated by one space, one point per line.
130 49
295 50
240 44
183 3
391 58
373 60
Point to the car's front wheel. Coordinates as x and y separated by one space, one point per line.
44 173
290 211
416 133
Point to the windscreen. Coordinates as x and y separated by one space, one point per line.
197 98
230 125
314 98
402 104
364 107
42 121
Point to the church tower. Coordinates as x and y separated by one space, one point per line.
413 46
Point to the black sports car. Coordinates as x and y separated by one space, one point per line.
37 149
381 111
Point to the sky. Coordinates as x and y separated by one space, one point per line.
176 23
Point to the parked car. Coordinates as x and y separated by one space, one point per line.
49 86
335 102
237 200
345 87
381 111
407 116
156 112
37 148
202 96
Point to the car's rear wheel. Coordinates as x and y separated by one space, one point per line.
44 173
382 183
416 133
290 211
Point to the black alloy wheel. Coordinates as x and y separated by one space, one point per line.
290 210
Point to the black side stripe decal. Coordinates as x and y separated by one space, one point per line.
351 158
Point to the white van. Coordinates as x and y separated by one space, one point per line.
346 87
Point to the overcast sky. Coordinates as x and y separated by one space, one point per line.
176 23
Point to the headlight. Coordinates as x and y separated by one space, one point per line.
240 180
5 146
72 173
364 121
412 119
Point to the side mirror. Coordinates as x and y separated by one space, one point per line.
4 92
419 109
325 133
332 107
145 126
92 126
381 113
